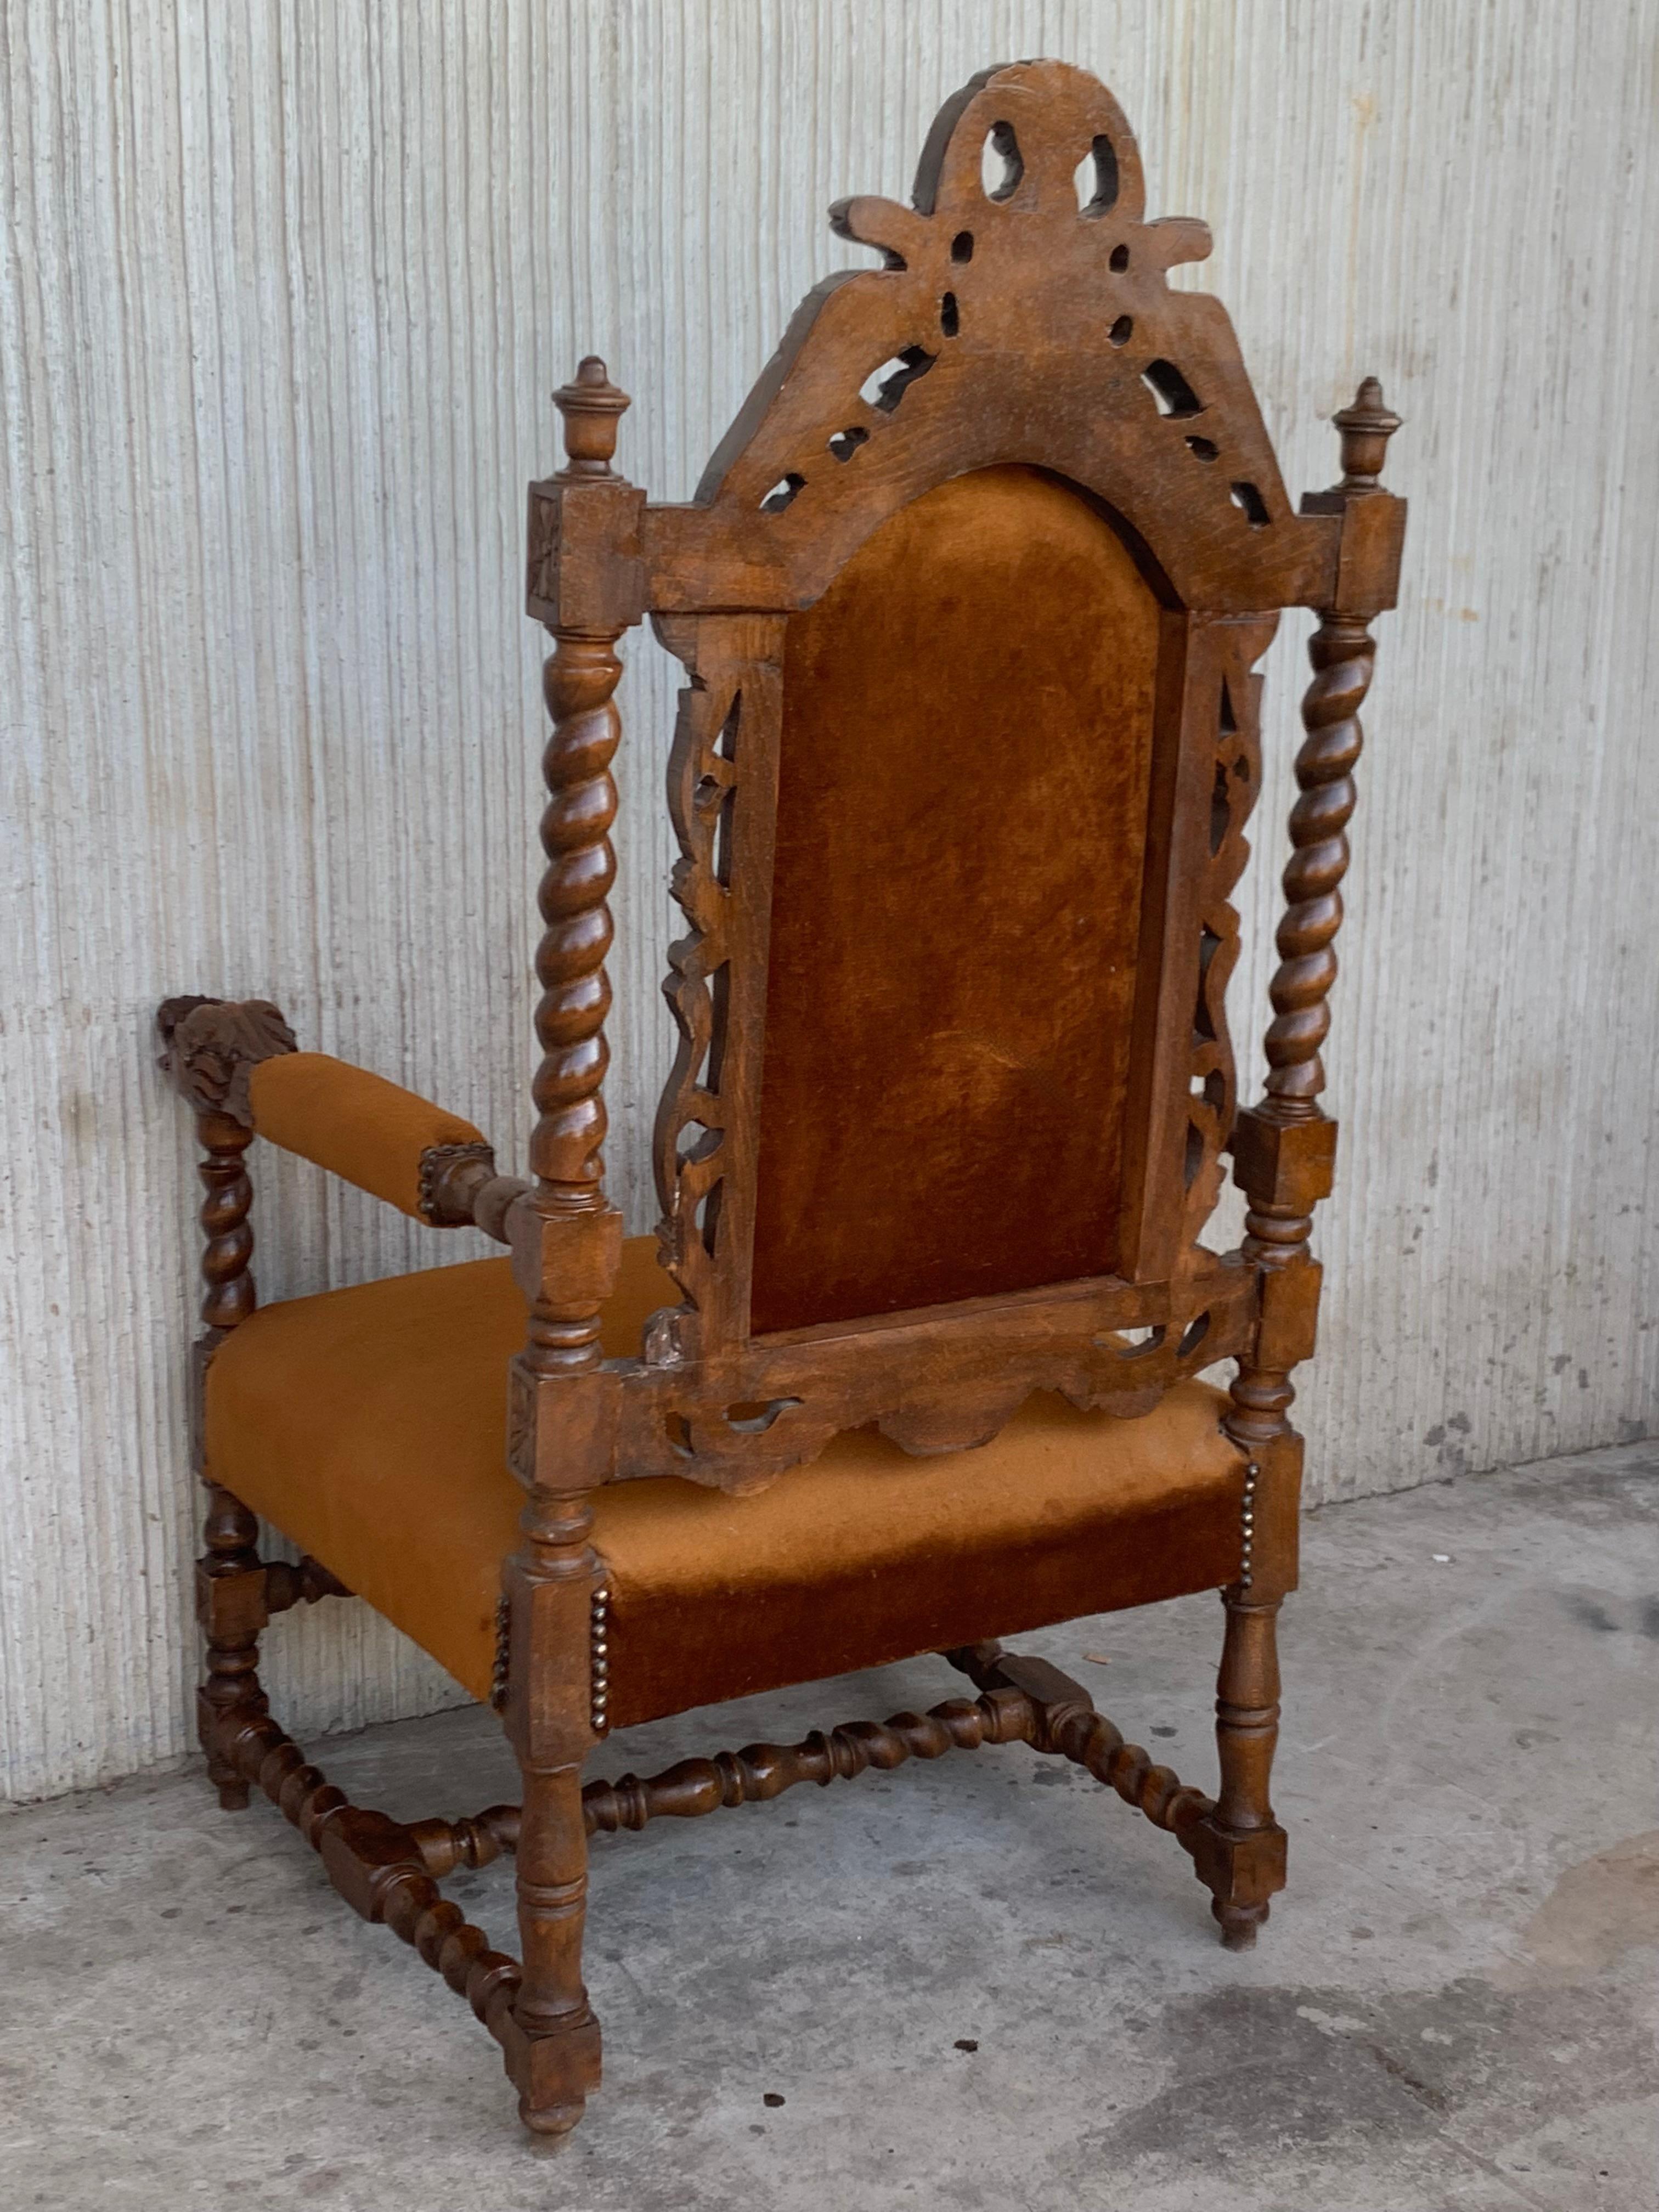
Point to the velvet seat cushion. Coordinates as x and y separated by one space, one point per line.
369 1425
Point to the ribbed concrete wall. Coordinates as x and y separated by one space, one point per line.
283 290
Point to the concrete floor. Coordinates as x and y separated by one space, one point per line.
1455 2003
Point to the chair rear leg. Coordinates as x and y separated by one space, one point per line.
1241 1856
230 1604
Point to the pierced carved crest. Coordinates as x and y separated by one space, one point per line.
1024 314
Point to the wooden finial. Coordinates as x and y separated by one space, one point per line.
1366 428
592 407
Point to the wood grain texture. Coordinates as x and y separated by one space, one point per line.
282 299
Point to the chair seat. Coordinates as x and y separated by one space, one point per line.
369 1425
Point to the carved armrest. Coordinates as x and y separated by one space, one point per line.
240 1063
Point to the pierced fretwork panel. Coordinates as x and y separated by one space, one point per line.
1212 1091
722 774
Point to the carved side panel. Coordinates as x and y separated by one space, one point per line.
722 794
1231 694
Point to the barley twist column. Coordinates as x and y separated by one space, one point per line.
229 1578
1283 1154
209 1048
565 1240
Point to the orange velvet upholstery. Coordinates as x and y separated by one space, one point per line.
358 1126
369 1425
957 907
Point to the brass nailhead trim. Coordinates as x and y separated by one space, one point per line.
599 1660
503 1644
1247 1524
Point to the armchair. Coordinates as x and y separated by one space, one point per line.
970 601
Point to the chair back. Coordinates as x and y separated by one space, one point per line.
970 601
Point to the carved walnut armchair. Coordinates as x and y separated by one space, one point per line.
970 602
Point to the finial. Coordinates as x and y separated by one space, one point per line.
592 407
1366 428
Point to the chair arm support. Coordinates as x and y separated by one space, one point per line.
239 1061
370 1132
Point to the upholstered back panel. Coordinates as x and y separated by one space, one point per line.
956 919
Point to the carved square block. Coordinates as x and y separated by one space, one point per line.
231 1607
562 1429
541 582
1289 1316
570 1259
1373 537
1284 1164
555 2074
1246 1869
1277 1518
364 1854
583 570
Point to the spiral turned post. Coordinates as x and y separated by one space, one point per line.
566 1241
228 1287
1343 653
567 1145
209 1048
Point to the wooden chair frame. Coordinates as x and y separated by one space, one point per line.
1015 326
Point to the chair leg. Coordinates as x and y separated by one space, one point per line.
555 2060
1240 1854
230 1604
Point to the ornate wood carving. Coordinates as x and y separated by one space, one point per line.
938 1381
1024 327
211 1046
1213 1099
453 1180
721 783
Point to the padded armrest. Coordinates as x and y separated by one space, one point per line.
370 1132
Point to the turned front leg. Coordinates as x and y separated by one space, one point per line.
557 2063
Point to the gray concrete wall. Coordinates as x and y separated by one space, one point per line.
283 291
